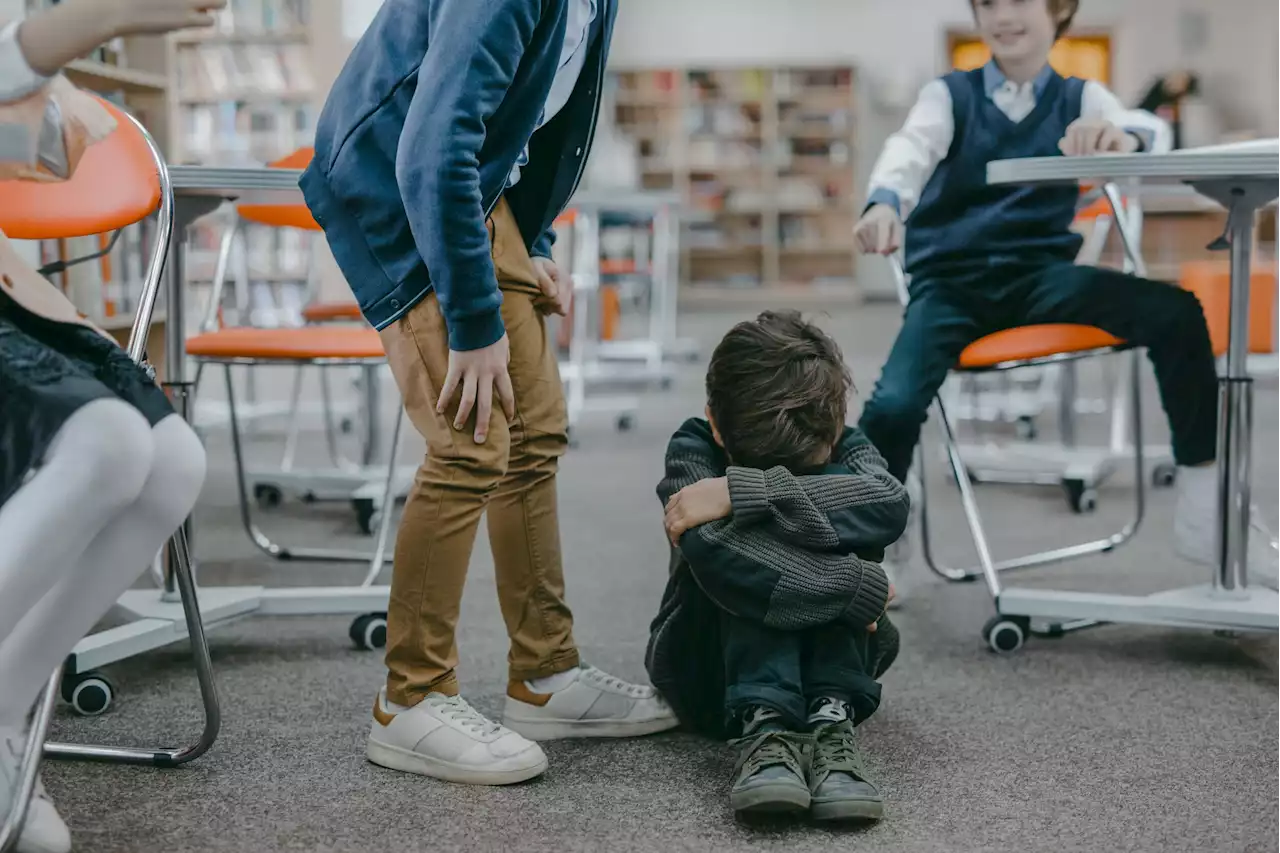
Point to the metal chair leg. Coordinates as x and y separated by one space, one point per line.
989 569
388 501
29 769
167 756
256 536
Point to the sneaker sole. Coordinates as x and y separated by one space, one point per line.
771 799
407 761
540 730
836 810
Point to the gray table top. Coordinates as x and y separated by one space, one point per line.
1254 164
277 185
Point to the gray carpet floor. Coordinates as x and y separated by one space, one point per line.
1118 738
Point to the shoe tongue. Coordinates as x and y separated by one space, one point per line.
828 710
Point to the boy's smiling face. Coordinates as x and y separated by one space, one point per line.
1017 32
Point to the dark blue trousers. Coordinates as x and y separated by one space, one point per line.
951 309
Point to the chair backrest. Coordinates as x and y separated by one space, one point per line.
283 215
120 181
117 183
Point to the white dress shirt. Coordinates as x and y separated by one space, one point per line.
573 56
17 80
910 156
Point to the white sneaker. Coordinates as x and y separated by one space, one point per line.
43 830
1195 528
592 704
445 738
898 555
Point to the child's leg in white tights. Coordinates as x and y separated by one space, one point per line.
87 587
94 468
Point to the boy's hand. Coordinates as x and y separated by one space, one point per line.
1096 136
871 629
703 502
555 289
478 374
879 231
160 16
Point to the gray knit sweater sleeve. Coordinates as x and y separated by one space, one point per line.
786 557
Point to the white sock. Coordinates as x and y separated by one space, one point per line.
553 683
827 709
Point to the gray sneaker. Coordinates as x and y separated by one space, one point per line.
769 776
837 779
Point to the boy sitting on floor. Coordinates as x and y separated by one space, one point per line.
985 258
771 628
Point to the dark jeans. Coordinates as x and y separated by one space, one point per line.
787 670
947 313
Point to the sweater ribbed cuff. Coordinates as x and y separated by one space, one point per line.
872 597
748 494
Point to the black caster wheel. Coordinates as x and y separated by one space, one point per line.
89 694
1006 634
666 383
1025 428
1081 498
346 426
625 423
1164 475
369 632
572 437
268 495
365 512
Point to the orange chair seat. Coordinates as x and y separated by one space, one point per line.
304 344
1031 342
327 312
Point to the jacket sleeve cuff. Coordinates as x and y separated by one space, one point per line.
748 494
542 246
475 332
885 197
872 596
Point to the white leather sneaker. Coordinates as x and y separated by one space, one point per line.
445 738
43 830
593 704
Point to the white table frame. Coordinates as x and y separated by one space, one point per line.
1242 180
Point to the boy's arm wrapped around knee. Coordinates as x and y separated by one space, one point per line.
855 504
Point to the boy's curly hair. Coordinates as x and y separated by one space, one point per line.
777 390
1063 11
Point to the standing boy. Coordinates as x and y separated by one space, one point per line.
452 139
985 258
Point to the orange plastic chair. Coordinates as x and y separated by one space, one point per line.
119 182
1210 281
610 301
1025 346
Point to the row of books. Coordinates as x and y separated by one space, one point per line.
214 72
232 133
264 16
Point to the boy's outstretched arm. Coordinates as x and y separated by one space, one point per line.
475 51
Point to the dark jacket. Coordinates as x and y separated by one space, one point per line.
798 551
419 135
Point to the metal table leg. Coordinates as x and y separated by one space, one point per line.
1235 416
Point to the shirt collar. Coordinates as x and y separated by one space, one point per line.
993 78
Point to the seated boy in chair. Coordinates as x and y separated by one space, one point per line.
771 628
984 258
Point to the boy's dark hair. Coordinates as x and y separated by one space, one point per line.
1060 9
777 390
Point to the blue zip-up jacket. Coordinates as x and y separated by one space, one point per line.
418 137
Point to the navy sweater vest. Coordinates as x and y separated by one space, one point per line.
961 221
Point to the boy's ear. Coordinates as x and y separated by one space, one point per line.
715 432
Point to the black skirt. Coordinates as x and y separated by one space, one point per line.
48 370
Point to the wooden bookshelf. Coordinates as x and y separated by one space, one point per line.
767 154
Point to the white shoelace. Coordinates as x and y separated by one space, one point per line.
635 691
460 711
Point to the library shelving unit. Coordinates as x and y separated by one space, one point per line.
765 159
